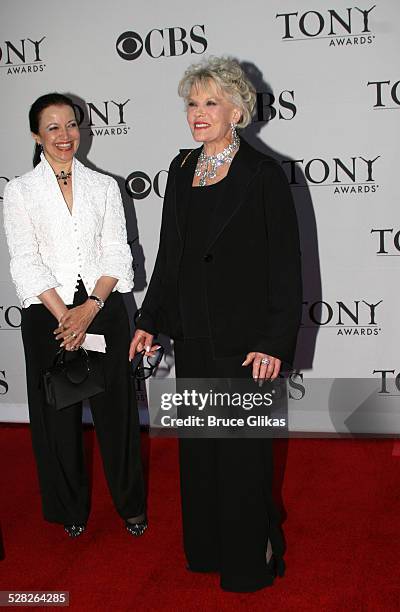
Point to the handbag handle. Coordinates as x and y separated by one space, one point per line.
61 362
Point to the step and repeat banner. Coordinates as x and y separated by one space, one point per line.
328 109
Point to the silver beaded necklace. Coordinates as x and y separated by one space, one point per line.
207 165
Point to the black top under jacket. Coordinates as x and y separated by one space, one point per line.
192 288
251 260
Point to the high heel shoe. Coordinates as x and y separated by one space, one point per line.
276 565
136 529
75 530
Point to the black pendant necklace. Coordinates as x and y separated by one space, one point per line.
63 176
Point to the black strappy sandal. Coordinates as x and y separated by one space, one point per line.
136 529
75 530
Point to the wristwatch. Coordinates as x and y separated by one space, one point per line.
99 301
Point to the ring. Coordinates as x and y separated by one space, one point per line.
265 361
73 335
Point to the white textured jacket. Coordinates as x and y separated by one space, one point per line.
51 247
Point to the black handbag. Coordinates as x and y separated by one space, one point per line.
73 377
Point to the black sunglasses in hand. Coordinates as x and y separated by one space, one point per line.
144 369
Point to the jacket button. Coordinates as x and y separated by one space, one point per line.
207 258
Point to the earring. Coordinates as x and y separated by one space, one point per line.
235 138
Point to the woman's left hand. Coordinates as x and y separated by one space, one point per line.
74 323
264 366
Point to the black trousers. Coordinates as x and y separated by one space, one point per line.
226 488
57 436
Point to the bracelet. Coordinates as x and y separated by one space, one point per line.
99 301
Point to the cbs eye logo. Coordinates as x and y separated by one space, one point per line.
129 45
168 42
139 185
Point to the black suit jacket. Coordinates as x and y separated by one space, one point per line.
251 262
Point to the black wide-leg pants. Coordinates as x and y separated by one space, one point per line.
57 435
226 489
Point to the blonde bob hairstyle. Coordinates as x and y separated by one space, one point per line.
228 77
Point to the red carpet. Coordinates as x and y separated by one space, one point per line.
342 529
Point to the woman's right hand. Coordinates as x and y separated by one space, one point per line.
141 341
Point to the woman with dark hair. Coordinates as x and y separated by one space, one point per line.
70 262
226 287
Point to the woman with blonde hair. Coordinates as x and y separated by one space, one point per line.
226 287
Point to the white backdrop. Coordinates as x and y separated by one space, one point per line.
327 74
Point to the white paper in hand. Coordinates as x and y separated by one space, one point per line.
95 342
